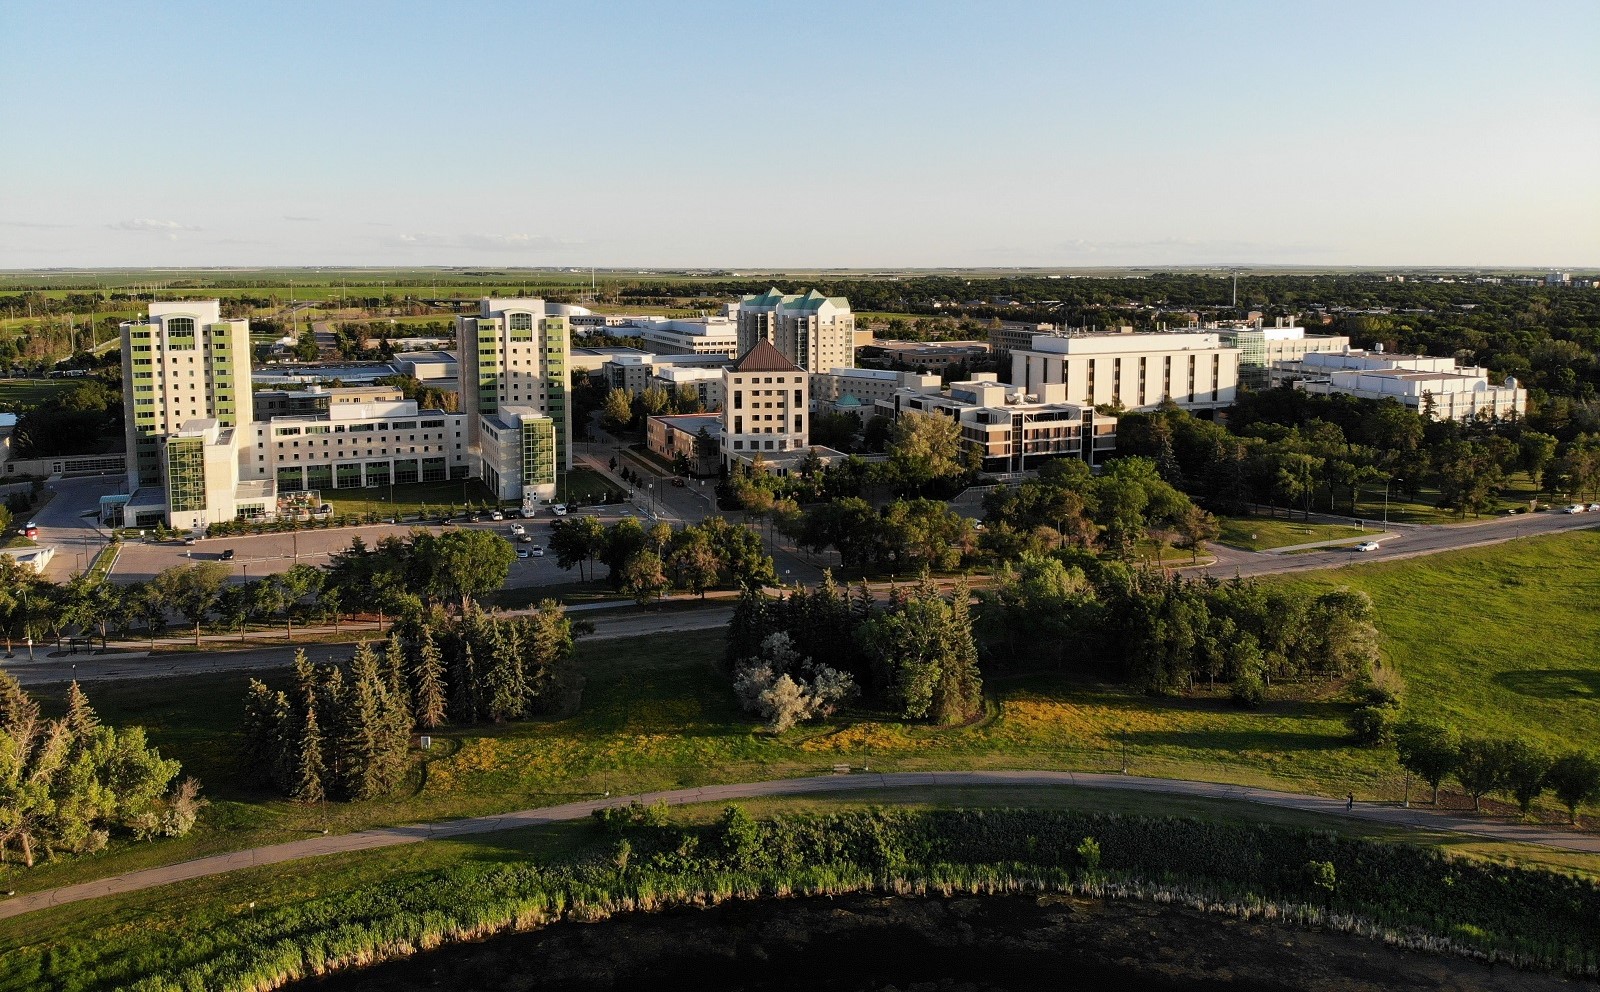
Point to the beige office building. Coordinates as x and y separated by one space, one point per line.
1012 430
767 409
515 374
1195 370
813 331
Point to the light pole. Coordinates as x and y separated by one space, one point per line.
651 486
1386 499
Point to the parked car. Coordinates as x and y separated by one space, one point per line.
537 550
31 530
522 552
1594 507
190 541
497 515
518 529
560 509
1367 546
527 539
227 555
678 483
1575 508
513 514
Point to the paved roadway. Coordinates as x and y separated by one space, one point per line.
1409 541
137 665
916 784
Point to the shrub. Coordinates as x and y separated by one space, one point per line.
1374 724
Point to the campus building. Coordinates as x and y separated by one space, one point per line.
671 435
269 403
767 408
1013 430
1434 386
858 390
186 395
924 356
1261 347
516 393
1193 369
353 445
812 331
694 336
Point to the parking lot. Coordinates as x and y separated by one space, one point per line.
266 554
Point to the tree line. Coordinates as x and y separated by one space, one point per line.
343 732
1484 765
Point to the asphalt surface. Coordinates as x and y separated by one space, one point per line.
916 784
138 665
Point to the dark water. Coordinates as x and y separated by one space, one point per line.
870 944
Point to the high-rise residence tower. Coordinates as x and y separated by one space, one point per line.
516 389
183 362
815 332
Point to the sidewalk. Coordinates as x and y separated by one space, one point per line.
917 784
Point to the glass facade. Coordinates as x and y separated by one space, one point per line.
186 474
538 452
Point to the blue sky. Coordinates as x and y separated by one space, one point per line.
800 134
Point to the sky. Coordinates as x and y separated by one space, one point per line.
772 134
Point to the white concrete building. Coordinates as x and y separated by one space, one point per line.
767 408
813 331
857 390
356 445
1261 347
1193 369
515 372
705 382
1429 384
1013 430
695 336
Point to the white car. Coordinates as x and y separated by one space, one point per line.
497 515
538 550
560 509
518 529
1367 546
1576 508
1594 507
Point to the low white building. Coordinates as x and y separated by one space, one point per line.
1431 385
705 382
1193 369
1011 429
857 390
357 445
200 462
519 455
693 336
1261 347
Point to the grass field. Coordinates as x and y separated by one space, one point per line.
586 484
1265 533
205 905
1497 640
31 392
409 498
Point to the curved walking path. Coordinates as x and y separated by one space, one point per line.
363 840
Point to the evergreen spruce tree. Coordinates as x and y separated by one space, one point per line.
266 735
547 650
305 681
332 705
961 684
362 730
310 769
18 710
505 688
753 619
81 718
427 676
395 679
464 685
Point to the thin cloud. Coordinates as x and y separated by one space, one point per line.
38 225
481 242
146 225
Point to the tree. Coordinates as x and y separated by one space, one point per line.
616 414
462 564
309 767
1195 528
1481 768
577 541
925 658
1575 779
642 576
192 590
1535 453
694 561
1428 752
428 700
706 450
1525 769
834 430
924 448
289 588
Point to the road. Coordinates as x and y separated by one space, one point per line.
916 784
1410 541
135 665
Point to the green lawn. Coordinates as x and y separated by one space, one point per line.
1504 639
31 392
1497 640
1266 533
409 498
585 485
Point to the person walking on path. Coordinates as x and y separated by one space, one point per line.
1350 802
